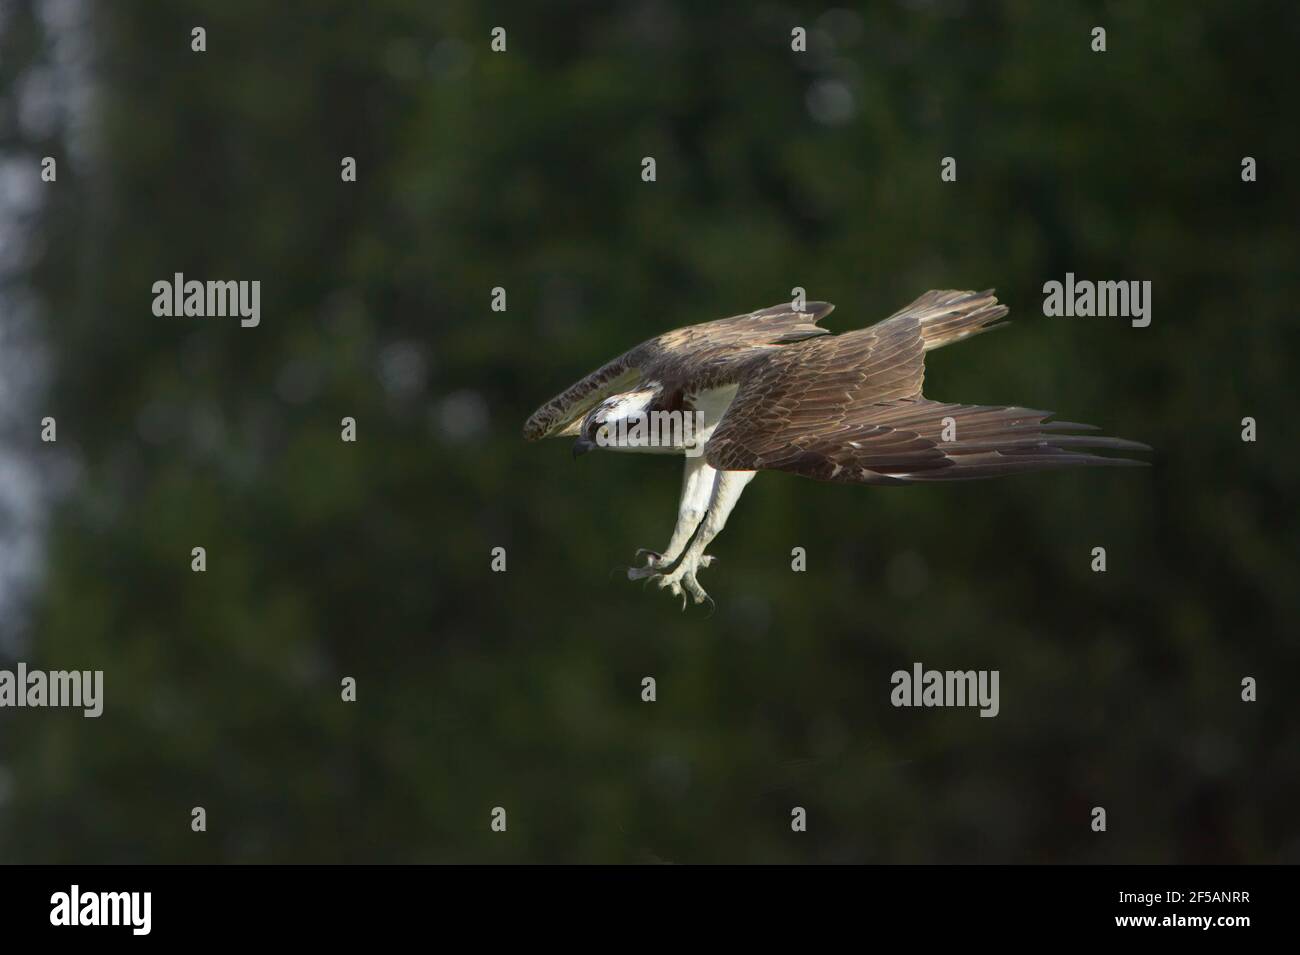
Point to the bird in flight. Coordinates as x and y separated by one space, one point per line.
773 391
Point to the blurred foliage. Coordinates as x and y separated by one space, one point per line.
522 689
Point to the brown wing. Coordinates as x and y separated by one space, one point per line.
849 408
694 345
824 383
565 411
797 398
776 325
907 441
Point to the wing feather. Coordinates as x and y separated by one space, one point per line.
565 411
670 354
850 408
903 442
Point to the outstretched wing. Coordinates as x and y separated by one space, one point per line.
849 408
793 401
777 325
564 413
913 440
694 346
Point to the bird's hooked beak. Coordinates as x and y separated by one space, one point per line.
581 446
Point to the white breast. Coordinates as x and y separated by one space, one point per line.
712 405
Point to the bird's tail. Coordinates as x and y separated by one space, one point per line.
949 316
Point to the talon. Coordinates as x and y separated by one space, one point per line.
707 559
693 588
682 582
654 564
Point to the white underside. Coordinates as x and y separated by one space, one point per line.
711 405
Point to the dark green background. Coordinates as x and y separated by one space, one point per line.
522 689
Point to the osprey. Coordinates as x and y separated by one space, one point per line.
771 390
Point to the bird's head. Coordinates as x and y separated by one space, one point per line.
605 424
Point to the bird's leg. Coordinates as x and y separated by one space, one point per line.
697 488
680 580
